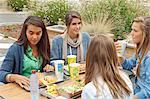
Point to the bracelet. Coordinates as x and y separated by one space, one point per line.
9 77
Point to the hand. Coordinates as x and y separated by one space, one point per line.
20 80
48 68
135 97
120 59
118 48
134 70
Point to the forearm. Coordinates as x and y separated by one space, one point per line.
121 60
140 95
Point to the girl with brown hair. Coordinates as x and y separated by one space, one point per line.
72 41
30 52
103 79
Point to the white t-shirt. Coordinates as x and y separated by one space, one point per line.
89 91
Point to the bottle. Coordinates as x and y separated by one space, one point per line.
34 85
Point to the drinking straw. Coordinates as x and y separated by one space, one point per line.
70 50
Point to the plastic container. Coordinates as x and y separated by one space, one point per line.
71 59
74 71
34 85
59 71
122 46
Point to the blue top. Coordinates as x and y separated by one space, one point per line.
13 62
57 46
142 84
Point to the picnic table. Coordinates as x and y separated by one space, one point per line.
14 91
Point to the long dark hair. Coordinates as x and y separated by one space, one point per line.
101 60
43 45
144 45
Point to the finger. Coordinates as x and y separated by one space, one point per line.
20 84
24 85
44 69
23 77
26 82
116 43
53 69
49 68
26 78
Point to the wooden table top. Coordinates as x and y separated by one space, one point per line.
14 91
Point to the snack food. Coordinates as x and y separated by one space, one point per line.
52 90
71 89
82 68
48 80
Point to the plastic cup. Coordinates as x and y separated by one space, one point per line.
74 71
71 59
59 71
122 46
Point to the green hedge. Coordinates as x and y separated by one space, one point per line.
122 12
18 5
52 11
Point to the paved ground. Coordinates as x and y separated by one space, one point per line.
6 40
10 17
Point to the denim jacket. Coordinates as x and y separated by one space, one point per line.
13 62
142 83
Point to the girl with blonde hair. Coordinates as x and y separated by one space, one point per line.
140 61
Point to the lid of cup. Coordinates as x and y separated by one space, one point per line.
58 61
71 56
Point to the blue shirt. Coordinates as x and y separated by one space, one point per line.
141 84
57 46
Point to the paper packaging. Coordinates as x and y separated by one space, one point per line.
59 72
